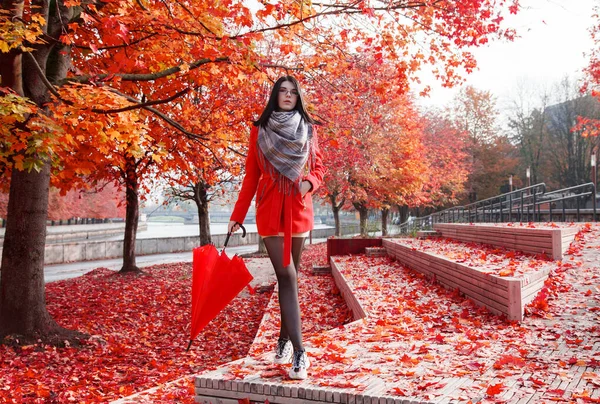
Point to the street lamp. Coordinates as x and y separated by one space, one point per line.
594 173
510 183
594 180
528 174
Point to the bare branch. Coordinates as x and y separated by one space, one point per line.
300 68
239 153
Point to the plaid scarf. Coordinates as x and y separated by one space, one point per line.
285 143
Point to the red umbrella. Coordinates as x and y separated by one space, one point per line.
216 280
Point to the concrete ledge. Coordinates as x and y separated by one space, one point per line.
213 388
358 311
98 250
501 295
346 229
345 246
375 252
553 242
428 233
79 232
60 253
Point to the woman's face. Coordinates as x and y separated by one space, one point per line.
288 96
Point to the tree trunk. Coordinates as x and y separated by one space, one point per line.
204 223
363 214
403 212
22 296
201 199
384 221
335 208
22 291
132 211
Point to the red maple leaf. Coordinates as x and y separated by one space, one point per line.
494 389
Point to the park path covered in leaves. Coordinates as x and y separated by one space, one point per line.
140 329
421 340
423 343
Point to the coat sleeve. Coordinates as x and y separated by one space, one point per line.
315 176
250 182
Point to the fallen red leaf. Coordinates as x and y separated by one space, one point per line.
398 391
494 389
140 329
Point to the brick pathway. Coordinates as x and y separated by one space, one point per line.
419 343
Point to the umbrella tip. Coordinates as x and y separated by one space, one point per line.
189 345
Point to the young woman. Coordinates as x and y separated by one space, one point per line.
283 168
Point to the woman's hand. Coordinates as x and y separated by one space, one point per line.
232 227
305 188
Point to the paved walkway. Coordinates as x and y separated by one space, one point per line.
419 344
75 269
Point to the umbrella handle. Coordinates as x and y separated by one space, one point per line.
229 234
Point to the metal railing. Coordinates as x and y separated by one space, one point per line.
530 204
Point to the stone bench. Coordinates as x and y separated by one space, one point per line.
552 241
499 294
428 233
375 252
350 297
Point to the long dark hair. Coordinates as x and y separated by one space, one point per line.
273 104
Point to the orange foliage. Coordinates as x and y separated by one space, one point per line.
145 71
374 145
105 203
448 164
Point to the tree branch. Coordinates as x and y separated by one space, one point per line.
141 5
239 153
138 104
195 18
125 45
165 118
301 68
145 76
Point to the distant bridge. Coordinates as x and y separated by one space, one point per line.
192 217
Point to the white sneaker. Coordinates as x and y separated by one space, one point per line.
284 351
300 364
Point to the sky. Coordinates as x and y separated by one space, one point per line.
554 38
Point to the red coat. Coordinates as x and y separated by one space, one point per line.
272 204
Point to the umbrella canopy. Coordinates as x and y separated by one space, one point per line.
216 280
